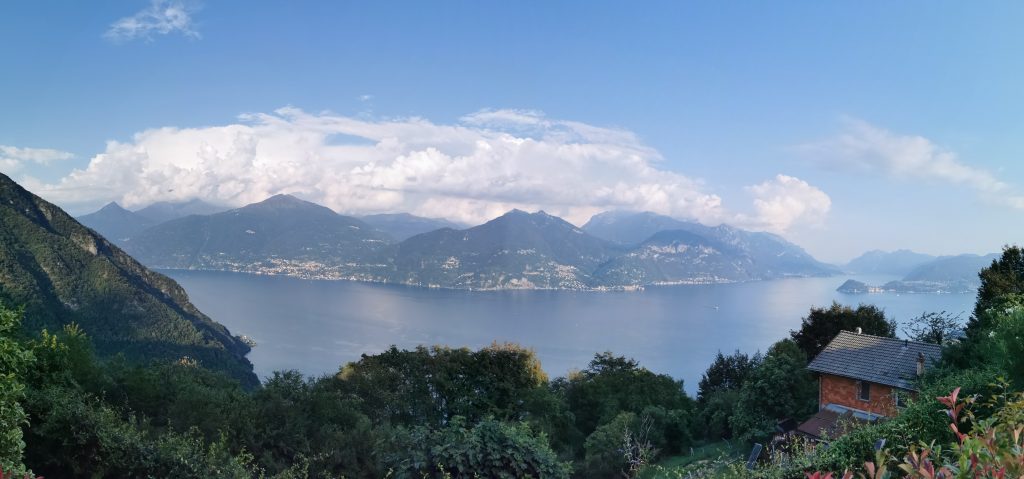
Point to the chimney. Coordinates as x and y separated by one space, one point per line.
920 364
859 330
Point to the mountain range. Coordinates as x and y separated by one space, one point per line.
286 235
920 273
280 235
63 272
755 255
402 226
515 250
118 224
895 263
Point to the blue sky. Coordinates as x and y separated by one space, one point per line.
844 126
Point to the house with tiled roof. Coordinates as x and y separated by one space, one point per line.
864 378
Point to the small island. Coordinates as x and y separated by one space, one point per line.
852 286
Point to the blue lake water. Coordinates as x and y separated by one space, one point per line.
316 326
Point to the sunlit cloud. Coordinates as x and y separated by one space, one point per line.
161 17
785 201
470 171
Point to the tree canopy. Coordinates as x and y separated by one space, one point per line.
1001 282
821 325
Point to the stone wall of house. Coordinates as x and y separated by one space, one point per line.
846 392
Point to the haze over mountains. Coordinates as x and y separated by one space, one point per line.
402 226
518 250
897 263
758 255
63 272
920 273
515 250
280 235
118 224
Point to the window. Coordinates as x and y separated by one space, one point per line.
901 399
864 393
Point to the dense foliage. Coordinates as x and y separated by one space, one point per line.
14 359
66 411
823 324
490 448
974 432
1003 278
62 272
779 388
422 413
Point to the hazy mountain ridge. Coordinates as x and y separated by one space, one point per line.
753 255
63 272
943 274
631 228
116 223
280 235
402 226
678 257
517 250
896 263
163 211
951 268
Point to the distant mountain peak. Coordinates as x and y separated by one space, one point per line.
113 206
283 198
115 223
537 219
285 201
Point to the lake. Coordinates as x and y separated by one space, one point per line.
316 326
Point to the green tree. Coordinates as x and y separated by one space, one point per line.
779 388
823 324
1009 335
714 415
1001 280
490 448
604 447
935 328
14 361
613 384
726 373
77 435
718 391
295 419
430 386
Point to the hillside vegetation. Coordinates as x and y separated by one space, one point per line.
61 272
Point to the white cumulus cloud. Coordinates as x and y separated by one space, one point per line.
785 201
12 158
471 171
161 17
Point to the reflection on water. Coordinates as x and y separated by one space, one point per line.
316 326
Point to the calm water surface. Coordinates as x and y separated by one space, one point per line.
316 326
